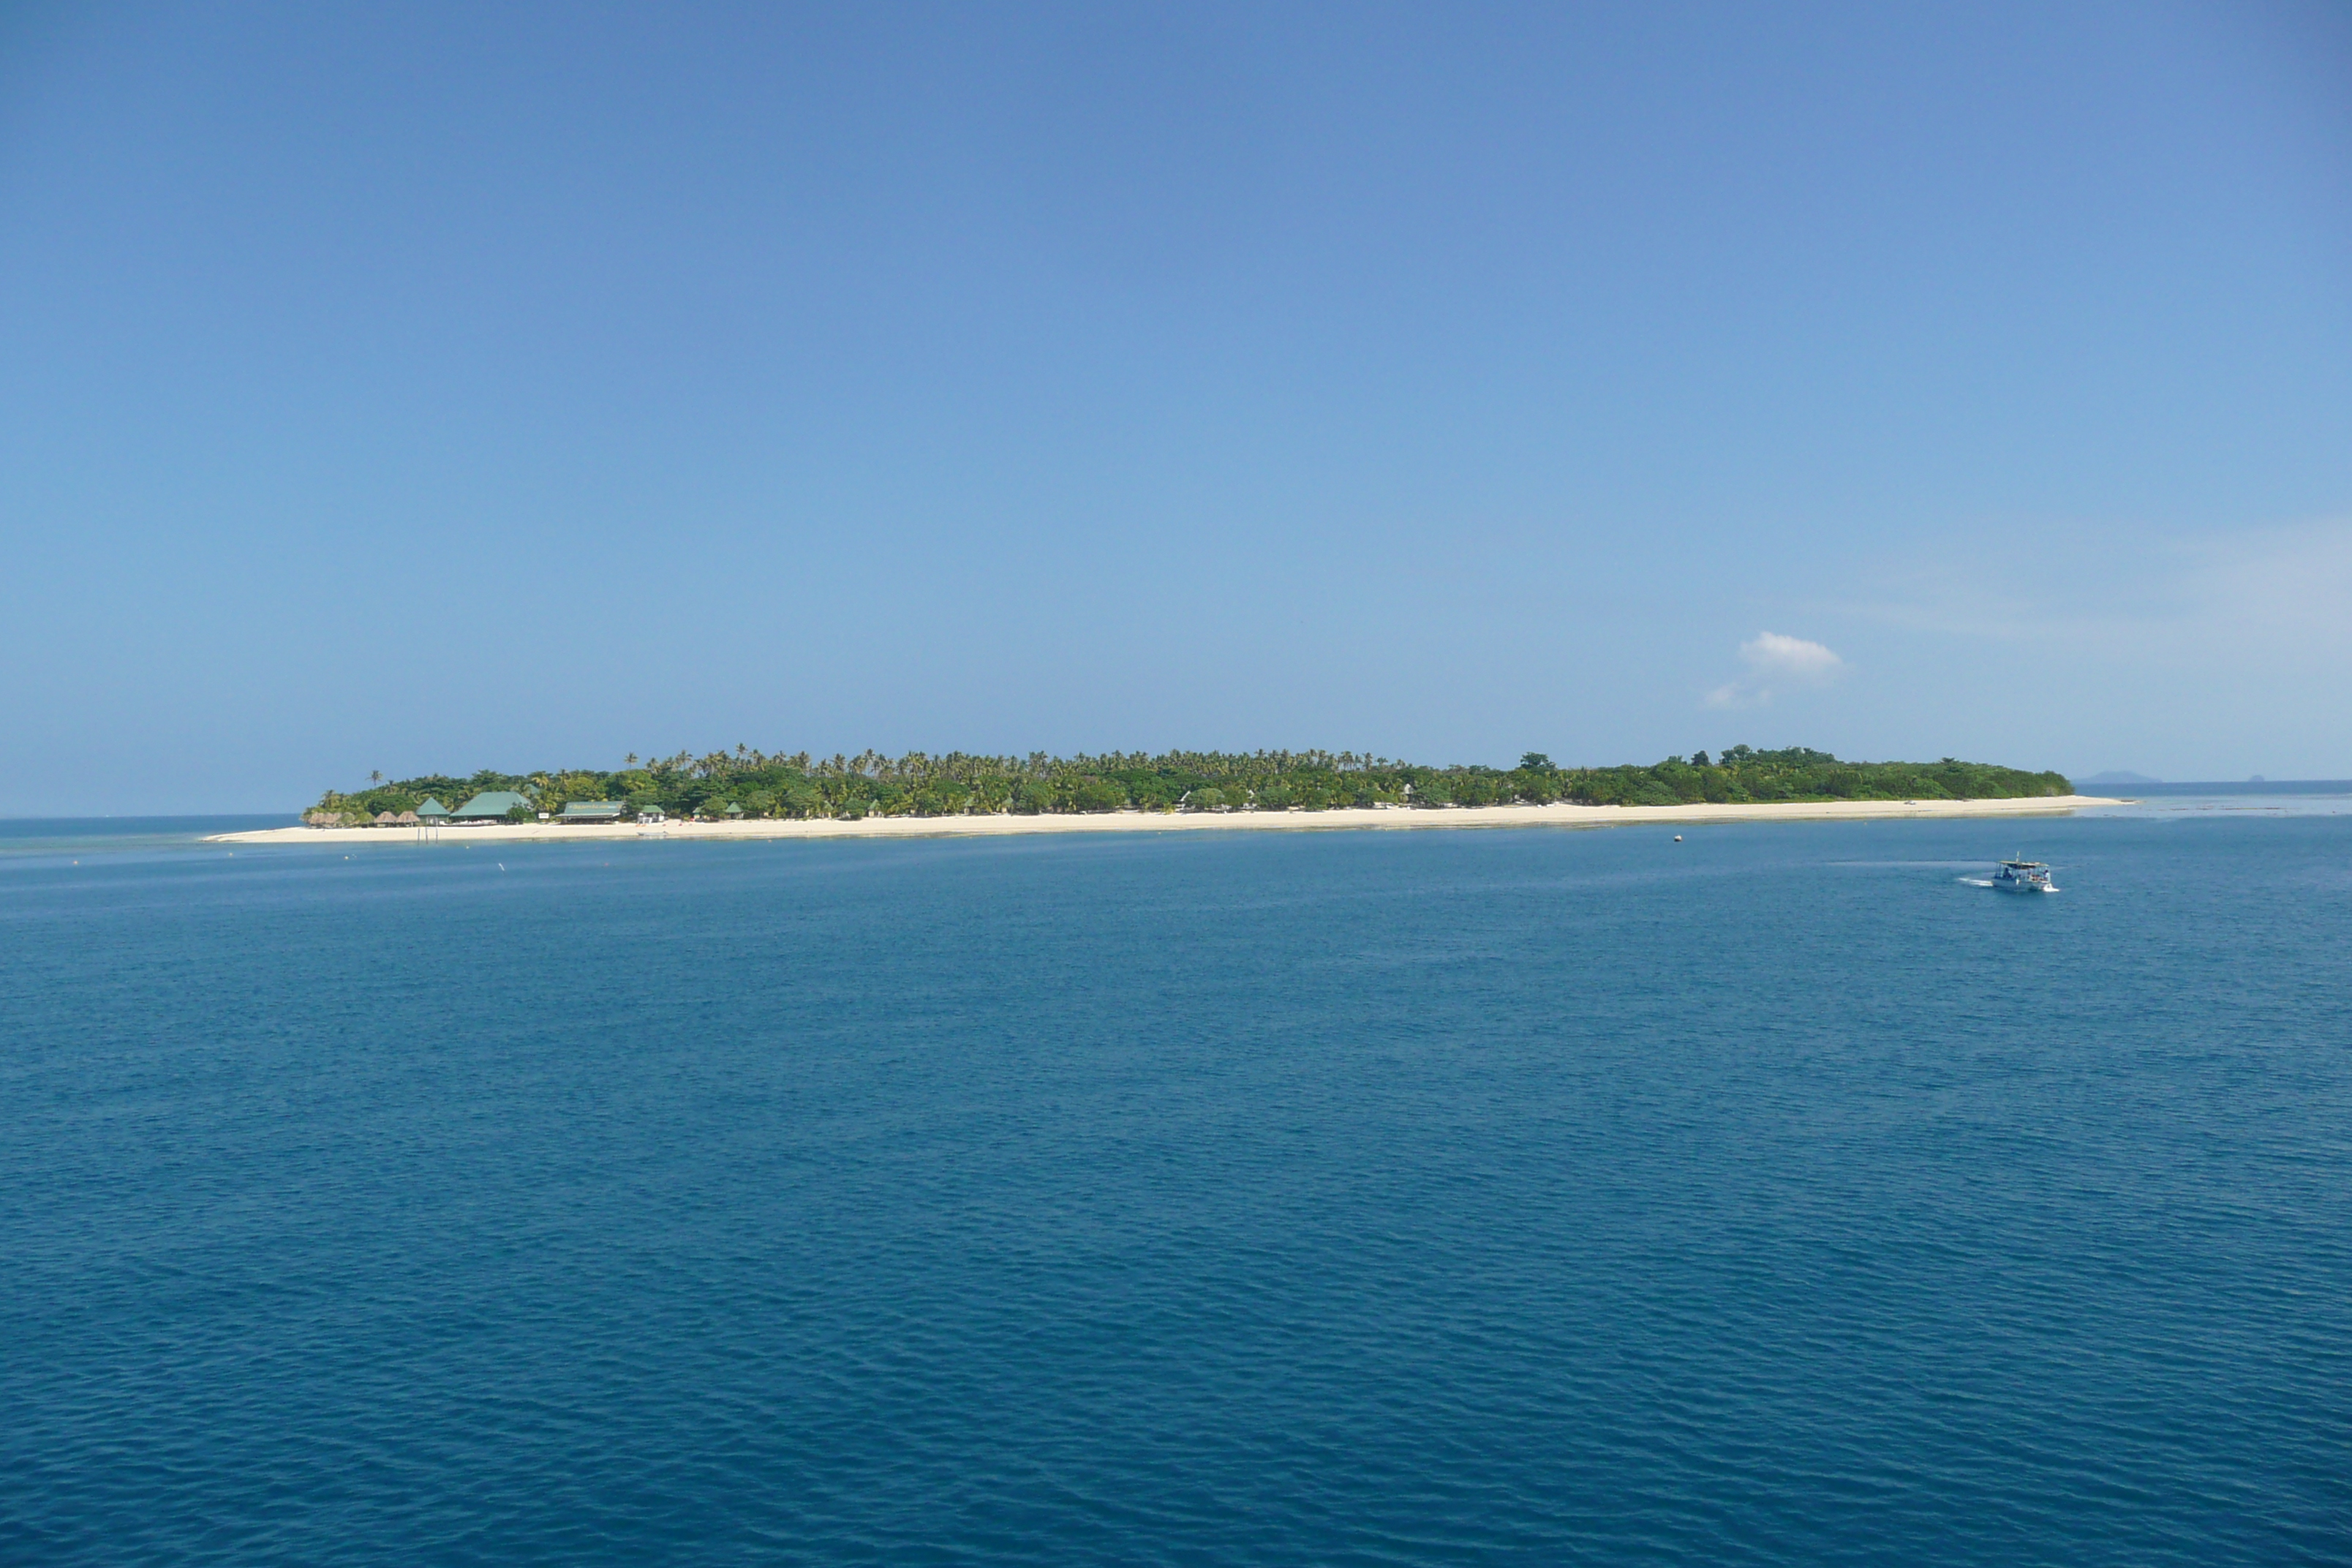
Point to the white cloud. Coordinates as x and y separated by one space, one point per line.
1775 660
1772 654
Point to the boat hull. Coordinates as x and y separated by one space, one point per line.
2022 877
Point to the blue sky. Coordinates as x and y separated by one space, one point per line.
428 388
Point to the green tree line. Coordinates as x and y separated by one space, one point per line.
748 783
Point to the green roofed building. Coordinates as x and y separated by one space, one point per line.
431 809
592 811
491 805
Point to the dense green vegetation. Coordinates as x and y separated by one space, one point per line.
756 784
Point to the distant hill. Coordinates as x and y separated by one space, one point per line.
2118 777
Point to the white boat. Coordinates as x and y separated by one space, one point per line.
2023 877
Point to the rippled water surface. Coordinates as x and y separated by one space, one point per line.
1544 1196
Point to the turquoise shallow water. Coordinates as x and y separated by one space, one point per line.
1773 1197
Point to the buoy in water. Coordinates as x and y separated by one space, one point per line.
1678 839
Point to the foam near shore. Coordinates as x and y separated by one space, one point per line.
1556 815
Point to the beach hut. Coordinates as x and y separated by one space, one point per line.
432 811
734 812
387 819
407 819
651 813
491 805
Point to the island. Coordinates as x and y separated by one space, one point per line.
747 792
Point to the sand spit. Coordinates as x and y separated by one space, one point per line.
1561 816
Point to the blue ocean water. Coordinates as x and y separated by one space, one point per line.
1543 1196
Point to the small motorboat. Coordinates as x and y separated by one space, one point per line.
2023 877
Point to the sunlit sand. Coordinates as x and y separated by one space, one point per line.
1384 817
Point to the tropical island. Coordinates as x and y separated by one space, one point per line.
745 785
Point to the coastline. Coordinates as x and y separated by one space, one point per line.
1562 814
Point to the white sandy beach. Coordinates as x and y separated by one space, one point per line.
1560 815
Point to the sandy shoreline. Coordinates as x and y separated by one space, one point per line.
1560 815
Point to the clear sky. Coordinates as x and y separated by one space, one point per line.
428 388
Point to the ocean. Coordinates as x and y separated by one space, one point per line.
1541 1196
